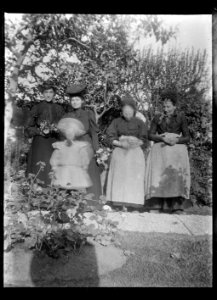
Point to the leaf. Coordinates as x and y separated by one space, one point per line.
93 217
128 253
114 223
103 198
41 163
22 218
30 242
71 238
105 242
102 213
89 196
7 244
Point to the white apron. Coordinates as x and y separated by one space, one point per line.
167 171
126 176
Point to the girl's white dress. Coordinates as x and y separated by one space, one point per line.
70 165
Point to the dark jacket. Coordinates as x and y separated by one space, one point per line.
177 123
134 127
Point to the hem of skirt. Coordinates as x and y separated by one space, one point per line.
70 187
124 203
160 196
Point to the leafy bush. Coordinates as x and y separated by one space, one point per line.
110 66
198 114
51 220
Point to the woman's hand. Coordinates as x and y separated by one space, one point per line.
169 140
173 140
116 143
165 140
125 144
135 144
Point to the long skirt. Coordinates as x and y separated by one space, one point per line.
167 173
126 176
40 150
94 172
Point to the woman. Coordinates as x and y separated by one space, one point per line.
168 170
127 168
42 115
71 158
87 118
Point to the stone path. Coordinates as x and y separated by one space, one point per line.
165 223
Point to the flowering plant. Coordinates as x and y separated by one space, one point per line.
47 127
102 156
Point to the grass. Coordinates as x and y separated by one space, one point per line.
159 260
156 260
153 264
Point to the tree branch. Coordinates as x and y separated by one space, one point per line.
103 112
10 47
15 73
106 88
78 42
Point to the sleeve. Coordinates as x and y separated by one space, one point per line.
60 112
30 127
94 129
185 138
143 133
111 132
152 133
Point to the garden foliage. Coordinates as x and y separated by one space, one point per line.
42 46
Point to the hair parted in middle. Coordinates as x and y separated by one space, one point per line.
170 95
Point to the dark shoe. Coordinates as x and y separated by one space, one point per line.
155 211
124 209
178 212
88 209
166 211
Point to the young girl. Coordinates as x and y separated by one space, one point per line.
71 158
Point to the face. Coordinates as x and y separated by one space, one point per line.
76 102
128 112
49 95
168 107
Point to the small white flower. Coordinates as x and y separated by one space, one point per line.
67 226
107 207
104 157
46 131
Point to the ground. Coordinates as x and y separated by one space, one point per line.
141 258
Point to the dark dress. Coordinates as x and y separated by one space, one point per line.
125 184
134 127
87 118
41 148
168 169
